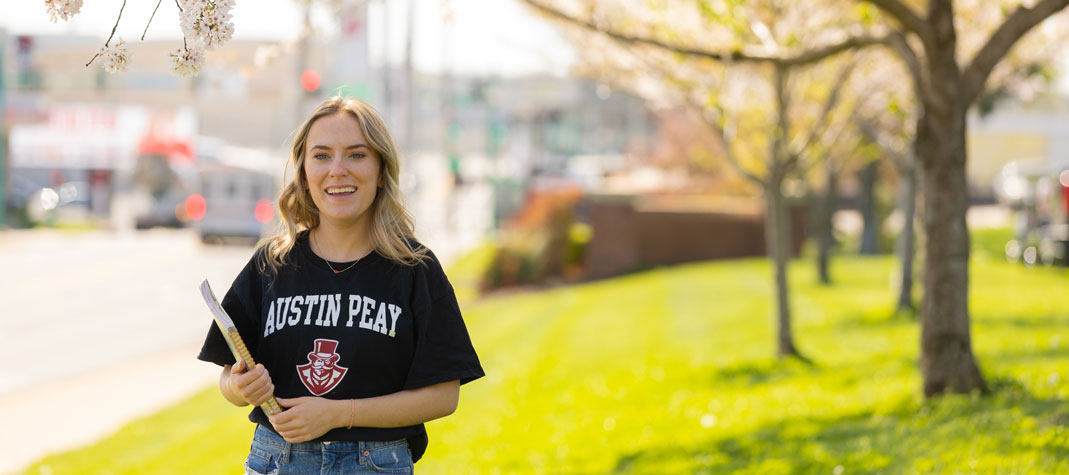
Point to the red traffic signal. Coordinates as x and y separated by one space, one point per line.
310 80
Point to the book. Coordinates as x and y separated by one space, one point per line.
233 339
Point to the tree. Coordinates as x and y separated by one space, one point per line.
768 114
877 99
823 209
928 46
894 142
945 90
887 120
884 123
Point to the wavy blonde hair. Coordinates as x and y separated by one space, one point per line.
391 226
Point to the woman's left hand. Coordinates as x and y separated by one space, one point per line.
304 419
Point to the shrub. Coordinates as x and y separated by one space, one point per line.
541 243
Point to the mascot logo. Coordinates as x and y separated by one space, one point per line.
322 372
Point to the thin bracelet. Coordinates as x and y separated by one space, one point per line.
352 413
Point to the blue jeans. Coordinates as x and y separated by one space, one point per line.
270 454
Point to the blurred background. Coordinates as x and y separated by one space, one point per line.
544 163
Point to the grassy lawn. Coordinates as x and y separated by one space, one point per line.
671 371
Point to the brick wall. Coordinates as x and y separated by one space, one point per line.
636 232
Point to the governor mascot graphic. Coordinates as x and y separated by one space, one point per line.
322 372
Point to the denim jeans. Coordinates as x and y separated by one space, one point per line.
271 454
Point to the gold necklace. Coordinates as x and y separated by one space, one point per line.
336 272
343 270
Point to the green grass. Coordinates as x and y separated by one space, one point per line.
671 371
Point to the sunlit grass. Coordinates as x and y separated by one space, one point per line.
671 371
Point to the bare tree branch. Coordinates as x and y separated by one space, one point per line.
819 54
829 105
901 156
717 129
1016 25
803 58
150 19
836 137
728 144
779 145
906 16
913 64
728 153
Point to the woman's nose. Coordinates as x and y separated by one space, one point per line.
337 167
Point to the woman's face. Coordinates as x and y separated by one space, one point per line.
342 170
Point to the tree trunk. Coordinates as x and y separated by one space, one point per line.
906 241
777 238
947 361
777 226
946 345
823 225
866 203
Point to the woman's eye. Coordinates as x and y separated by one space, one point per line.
356 155
321 156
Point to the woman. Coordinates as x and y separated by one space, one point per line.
353 323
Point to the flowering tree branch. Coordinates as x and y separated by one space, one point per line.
804 58
205 24
116 57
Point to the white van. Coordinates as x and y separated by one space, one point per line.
234 202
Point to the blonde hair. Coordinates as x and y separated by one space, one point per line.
391 227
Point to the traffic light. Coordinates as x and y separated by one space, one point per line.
310 80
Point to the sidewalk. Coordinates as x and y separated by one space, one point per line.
63 415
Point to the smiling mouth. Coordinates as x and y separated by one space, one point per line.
341 190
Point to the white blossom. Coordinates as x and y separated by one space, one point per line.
186 62
62 9
207 22
116 57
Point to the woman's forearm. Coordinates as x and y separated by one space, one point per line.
228 393
404 408
306 418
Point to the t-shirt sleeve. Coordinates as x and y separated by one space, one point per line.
242 304
443 348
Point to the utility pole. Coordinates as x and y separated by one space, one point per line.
387 90
302 65
3 133
446 86
407 127
451 129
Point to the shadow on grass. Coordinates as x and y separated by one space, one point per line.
936 436
763 371
876 321
1023 356
905 318
1046 322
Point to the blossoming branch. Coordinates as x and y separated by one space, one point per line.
206 24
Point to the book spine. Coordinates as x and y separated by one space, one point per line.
271 406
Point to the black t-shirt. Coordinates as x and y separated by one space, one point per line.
375 329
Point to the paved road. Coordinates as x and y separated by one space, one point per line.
97 328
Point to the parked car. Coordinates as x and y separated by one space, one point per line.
1037 190
160 188
233 202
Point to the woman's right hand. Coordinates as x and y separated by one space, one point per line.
253 386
